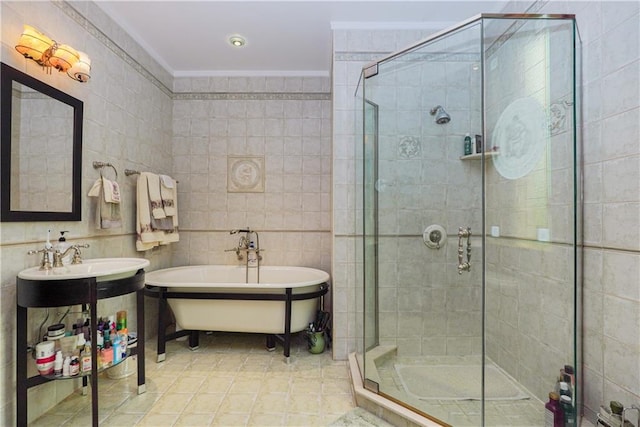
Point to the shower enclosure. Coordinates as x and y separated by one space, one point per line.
471 265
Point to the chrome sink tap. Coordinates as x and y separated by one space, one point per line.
77 255
45 263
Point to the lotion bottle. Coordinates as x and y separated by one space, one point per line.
62 246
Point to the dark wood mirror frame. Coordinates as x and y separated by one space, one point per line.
8 76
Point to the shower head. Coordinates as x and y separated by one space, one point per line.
442 117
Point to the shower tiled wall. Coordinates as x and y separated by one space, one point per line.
424 309
352 50
611 124
530 273
610 95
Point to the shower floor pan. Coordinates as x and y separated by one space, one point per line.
457 382
448 388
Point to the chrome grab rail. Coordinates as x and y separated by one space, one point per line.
464 233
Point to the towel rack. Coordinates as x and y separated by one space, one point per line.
129 172
100 165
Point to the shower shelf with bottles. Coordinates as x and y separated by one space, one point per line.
476 156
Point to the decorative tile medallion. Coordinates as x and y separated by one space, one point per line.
245 174
558 116
409 147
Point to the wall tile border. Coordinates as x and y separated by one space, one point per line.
251 96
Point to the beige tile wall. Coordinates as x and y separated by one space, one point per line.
611 125
127 125
284 121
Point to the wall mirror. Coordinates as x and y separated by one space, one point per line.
41 150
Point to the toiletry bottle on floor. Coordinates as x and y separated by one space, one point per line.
568 411
553 415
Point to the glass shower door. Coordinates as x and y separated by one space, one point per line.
423 234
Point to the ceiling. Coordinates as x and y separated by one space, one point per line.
291 37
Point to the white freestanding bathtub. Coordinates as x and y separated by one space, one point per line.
229 298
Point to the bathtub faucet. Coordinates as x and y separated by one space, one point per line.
249 243
243 243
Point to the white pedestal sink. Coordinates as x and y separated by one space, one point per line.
102 269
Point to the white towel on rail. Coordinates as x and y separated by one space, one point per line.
107 194
155 199
168 195
147 233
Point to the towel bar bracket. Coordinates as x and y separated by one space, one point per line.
101 165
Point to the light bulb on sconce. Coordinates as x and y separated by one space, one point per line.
49 54
81 70
63 57
33 44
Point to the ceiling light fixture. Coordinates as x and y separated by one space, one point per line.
49 54
237 41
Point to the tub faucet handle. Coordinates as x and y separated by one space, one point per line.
240 230
237 251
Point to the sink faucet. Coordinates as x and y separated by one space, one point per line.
45 263
77 255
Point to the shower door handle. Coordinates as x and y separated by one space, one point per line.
464 233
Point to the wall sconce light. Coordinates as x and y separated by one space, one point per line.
49 54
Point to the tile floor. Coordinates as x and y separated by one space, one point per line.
231 380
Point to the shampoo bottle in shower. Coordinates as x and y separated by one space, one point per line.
468 148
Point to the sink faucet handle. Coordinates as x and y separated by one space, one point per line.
45 263
77 254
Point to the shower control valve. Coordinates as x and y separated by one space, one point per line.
434 236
